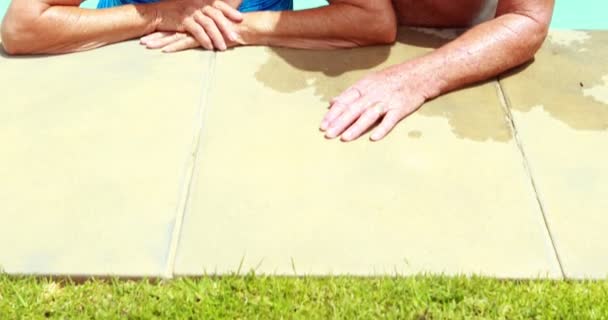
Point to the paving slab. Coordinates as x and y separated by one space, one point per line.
446 192
95 153
560 110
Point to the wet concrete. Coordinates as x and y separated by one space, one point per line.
331 72
569 81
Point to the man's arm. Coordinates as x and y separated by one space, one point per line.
489 49
343 23
485 51
58 26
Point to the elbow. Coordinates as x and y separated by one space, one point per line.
379 34
537 23
539 30
383 32
10 40
386 33
528 35
19 35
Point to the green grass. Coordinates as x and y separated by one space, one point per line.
421 297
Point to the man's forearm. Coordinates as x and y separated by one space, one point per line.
60 29
339 25
483 52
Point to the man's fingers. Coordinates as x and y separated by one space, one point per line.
223 24
183 44
333 113
391 119
154 36
365 121
350 95
163 42
338 105
199 33
230 12
345 119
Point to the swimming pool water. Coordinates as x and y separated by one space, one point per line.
569 14
580 14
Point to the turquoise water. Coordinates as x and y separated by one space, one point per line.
569 14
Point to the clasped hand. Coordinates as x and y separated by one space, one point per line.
187 24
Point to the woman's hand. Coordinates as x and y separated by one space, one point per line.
195 23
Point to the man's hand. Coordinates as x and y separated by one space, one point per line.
390 95
193 23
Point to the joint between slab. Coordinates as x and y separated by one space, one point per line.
189 168
505 103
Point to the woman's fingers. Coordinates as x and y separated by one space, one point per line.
199 33
154 36
211 30
221 21
231 13
167 39
182 44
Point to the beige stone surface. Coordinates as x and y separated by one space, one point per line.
560 109
447 192
95 152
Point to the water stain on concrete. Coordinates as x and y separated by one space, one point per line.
567 38
327 72
415 134
472 114
570 85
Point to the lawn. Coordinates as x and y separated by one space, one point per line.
420 297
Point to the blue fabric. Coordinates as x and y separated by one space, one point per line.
246 6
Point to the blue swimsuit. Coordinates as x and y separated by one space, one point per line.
246 6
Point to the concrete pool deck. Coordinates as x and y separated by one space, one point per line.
209 163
